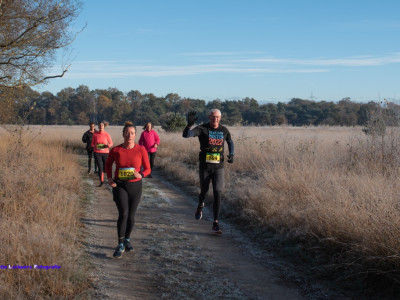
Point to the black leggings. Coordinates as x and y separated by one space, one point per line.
215 174
101 162
127 197
90 154
151 159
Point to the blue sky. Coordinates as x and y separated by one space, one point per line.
229 49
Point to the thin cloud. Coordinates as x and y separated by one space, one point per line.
108 70
368 25
346 62
220 53
147 68
144 30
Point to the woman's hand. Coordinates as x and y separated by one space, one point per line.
111 182
137 175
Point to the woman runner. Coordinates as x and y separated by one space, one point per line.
150 140
101 143
129 158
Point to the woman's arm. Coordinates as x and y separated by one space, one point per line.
109 140
145 163
156 139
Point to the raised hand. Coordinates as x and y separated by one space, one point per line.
191 118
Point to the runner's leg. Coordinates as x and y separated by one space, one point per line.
98 159
205 177
134 190
121 198
103 164
89 153
218 185
96 165
151 159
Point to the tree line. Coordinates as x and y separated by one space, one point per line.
79 106
32 31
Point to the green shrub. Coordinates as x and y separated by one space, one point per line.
174 122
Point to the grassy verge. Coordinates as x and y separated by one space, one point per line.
334 190
40 201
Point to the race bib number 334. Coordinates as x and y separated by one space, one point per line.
126 173
213 158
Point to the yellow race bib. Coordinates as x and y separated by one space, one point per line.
100 146
126 173
213 158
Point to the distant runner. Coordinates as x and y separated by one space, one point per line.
101 143
87 138
211 159
150 140
127 183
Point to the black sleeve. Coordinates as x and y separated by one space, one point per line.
229 141
85 138
187 132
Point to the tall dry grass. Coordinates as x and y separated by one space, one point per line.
334 184
40 206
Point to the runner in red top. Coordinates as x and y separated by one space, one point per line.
101 142
129 158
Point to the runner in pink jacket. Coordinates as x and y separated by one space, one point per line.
150 140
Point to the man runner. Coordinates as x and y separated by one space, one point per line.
87 138
211 136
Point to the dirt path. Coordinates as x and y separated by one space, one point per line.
175 256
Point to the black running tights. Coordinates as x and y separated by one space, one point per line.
101 163
207 174
127 197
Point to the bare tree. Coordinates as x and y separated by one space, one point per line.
30 33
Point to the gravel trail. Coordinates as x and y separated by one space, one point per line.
175 256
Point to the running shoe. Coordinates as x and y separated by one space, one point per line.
128 245
198 214
216 228
119 250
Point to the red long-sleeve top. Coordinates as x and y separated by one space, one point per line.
99 140
127 159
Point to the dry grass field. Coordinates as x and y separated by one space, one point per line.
332 184
41 193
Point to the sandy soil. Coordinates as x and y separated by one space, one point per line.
176 256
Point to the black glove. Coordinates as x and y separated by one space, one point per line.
105 146
230 158
191 118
